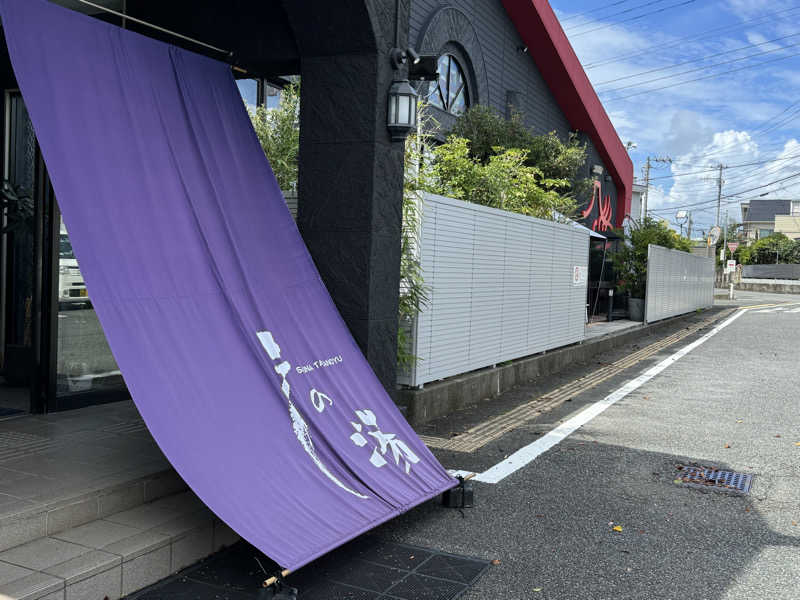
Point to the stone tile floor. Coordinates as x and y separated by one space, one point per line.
116 555
90 507
46 458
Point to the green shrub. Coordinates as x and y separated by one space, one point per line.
503 181
487 132
278 130
630 261
770 250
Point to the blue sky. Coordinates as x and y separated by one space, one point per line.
748 116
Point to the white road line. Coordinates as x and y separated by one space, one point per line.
796 310
769 310
528 453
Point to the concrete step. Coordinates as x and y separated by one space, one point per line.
61 470
116 555
64 508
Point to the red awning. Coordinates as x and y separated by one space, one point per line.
550 49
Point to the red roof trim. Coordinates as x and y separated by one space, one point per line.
550 49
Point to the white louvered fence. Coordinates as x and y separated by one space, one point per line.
501 286
677 283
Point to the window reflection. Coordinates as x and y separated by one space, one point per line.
450 92
84 360
248 88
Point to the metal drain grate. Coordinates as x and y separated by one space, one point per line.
706 477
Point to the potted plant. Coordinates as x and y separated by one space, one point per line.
630 261
631 267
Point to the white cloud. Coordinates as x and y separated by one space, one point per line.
694 182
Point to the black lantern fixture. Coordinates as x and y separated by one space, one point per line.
402 113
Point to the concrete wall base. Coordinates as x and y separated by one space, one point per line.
455 393
775 288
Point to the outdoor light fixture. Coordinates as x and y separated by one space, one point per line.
426 68
597 169
399 57
402 113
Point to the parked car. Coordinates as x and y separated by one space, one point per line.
71 288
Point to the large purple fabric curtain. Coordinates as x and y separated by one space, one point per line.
232 349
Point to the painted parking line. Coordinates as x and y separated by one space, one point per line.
496 427
528 453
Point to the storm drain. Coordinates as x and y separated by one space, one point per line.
365 569
707 477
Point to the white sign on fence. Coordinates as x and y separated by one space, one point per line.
579 275
731 268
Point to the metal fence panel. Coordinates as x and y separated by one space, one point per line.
500 286
779 271
677 283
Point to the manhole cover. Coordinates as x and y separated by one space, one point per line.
707 477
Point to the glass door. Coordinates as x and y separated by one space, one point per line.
18 259
53 352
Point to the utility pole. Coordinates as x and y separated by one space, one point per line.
647 167
646 187
689 227
725 246
719 191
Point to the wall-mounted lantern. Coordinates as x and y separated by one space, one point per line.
402 113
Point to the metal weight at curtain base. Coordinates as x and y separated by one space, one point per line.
275 588
461 496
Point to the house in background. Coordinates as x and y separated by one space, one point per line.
637 193
761 218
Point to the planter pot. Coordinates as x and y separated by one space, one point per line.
636 309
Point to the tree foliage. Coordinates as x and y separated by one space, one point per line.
413 291
630 261
278 130
770 250
504 180
489 133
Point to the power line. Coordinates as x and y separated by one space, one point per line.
607 25
703 58
708 169
728 148
696 36
712 76
594 10
737 193
622 12
703 68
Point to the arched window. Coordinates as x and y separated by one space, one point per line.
450 93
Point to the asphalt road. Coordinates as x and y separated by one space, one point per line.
731 403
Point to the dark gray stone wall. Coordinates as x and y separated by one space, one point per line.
351 172
494 54
483 31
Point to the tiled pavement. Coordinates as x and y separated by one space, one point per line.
89 507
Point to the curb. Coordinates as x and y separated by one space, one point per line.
449 395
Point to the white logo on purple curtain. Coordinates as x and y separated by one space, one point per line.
366 431
383 442
299 425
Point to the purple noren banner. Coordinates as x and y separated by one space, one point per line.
231 348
